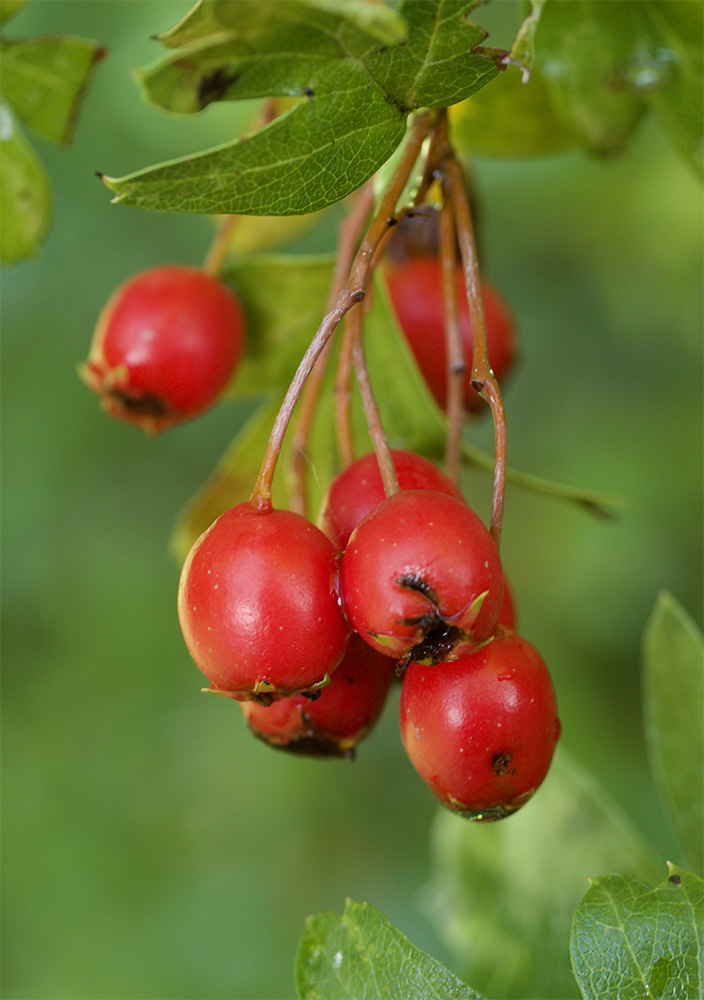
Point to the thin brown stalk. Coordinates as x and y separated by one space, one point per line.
483 378
371 409
456 364
348 240
353 293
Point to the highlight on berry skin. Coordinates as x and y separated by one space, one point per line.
166 345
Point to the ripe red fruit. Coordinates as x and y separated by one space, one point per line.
343 714
421 577
415 288
165 346
359 489
258 604
481 730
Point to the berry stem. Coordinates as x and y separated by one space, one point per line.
456 366
483 378
371 409
349 296
217 254
347 242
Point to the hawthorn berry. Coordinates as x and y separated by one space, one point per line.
258 604
421 577
415 288
165 346
481 730
359 489
341 716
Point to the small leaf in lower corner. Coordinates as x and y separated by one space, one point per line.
361 955
631 941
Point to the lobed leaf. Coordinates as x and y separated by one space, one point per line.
360 955
25 196
630 941
502 896
673 706
303 161
359 74
44 79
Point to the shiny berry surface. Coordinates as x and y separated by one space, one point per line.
359 489
258 604
421 576
481 730
165 346
415 288
343 714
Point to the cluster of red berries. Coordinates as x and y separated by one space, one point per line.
306 625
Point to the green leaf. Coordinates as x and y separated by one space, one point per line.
25 197
359 75
361 956
502 896
44 79
672 73
309 158
630 941
523 48
210 17
510 118
673 704
581 49
8 8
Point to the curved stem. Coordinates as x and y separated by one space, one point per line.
354 292
483 378
456 364
217 254
343 399
371 409
348 239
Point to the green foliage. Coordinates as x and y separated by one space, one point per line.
631 941
520 881
25 194
43 81
673 703
361 956
358 79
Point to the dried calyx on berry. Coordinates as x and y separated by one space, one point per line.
421 578
166 345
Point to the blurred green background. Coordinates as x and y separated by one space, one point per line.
152 848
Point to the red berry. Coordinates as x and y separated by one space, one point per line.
258 604
343 714
359 489
421 577
415 288
165 346
481 730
